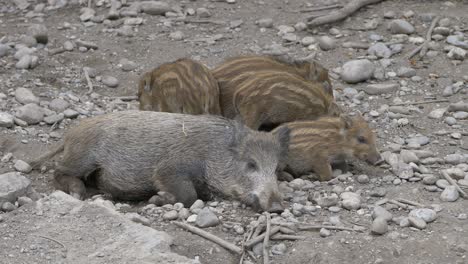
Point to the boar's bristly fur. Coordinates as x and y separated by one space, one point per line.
307 69
271 98
183 86
315 144
134 155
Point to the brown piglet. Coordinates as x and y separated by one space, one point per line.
314 145
183 86
308 69
264 100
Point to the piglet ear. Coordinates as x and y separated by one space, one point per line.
282 133
348 120
147 82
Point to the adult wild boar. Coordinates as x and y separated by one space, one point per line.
134 155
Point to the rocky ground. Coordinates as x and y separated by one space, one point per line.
404 211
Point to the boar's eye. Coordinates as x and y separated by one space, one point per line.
362 140
252 165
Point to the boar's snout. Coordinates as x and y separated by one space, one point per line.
256 204
276 207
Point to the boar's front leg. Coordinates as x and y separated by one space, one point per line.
66 182
175 187
322 168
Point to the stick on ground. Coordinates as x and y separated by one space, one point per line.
347 10
318 227
88 80
286 237
454 183
320 8
405 201
229 246
259 238
422 102
422 49
126 98
266 240
54 240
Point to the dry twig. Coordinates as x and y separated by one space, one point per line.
246 238
229 246
54 240
397 203
88 80
342 13
320 8
125 98
454 183
318 227
286 237
259 238
422 49
401 200
266 239
422 102
201 21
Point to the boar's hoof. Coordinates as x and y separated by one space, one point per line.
276 208
162 198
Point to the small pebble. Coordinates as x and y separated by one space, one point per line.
171 215
325 232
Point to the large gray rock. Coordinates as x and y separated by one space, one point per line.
380 50
30 113
206 218
6 120
25 96
58 105
12 186
93 232
357 71
155 7
39 32
400 26
380 88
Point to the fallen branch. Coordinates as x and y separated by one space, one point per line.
125 98
454 183
405 201
422 49
341 14
266 239
229 246
252 242
90 84
246 238
397 203
320 8
286 237
54 240
204 21
318 227
422 102
460 106
287 231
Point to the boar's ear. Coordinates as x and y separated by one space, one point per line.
283 135
238 134
147 82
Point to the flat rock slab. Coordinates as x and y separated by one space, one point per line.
62 229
